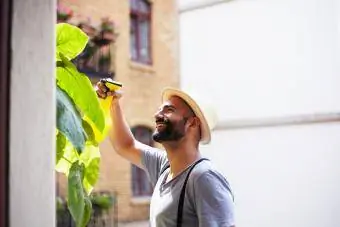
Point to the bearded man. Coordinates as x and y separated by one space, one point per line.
188 190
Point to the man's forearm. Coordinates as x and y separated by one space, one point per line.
120 134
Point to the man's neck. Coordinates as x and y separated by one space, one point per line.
180 156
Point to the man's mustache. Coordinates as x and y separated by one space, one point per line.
162 120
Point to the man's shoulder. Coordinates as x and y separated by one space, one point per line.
205 179
204 168
152 151
207 172
161 156
152 155
148 148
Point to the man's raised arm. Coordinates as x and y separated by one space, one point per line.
120 134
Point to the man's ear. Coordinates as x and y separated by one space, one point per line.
194 121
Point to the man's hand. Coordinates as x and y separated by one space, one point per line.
120 134
103 91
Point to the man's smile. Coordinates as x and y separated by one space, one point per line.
160 125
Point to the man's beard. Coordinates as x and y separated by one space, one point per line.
170 132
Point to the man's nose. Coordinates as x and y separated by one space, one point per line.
159 114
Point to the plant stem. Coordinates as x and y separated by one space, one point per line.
67 160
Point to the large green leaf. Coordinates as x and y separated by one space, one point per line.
91 158
80 89
91 137
87 211
69 121
79 209
61 143
71 41
99 136
70 156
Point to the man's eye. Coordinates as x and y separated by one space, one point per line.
170 110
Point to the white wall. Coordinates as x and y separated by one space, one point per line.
266 57
271 58
32 115
282 176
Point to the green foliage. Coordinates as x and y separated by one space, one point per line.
69 121
91 159
61 143
91 137
80 89
80 124
105 202
78 202
87 211
71 41
70 155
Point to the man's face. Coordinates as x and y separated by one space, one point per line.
171 119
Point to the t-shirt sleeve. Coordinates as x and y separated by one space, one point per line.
214 201
153 160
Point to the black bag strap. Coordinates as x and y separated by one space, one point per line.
164 168
181 198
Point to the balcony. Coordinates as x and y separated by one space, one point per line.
96 59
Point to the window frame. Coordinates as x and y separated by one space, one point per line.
137 183
138 16
140 173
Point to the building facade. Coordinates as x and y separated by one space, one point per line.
145 60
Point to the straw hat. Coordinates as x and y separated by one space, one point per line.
200 107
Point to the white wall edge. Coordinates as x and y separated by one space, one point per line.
32 115
279 121
200 4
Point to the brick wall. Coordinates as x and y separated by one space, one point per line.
142 87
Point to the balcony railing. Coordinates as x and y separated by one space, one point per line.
95 61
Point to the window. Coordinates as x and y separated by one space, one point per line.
140 31
141 185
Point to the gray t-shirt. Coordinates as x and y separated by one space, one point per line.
208 198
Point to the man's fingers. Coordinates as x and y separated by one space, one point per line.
115 94
101 94
110 93
102 87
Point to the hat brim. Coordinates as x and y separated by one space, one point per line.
205 130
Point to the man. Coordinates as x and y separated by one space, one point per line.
181 125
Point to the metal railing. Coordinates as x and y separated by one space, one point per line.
95 61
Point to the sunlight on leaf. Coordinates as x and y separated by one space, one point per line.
91 137
91 158
71 41
70 156
81 91
81 124
61 143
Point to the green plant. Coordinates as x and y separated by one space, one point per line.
104 202
63 13
80 124
107 25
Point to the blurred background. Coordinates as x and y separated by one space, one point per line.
270 67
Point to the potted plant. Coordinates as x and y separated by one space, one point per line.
63 13
87 27
106 33
102 202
